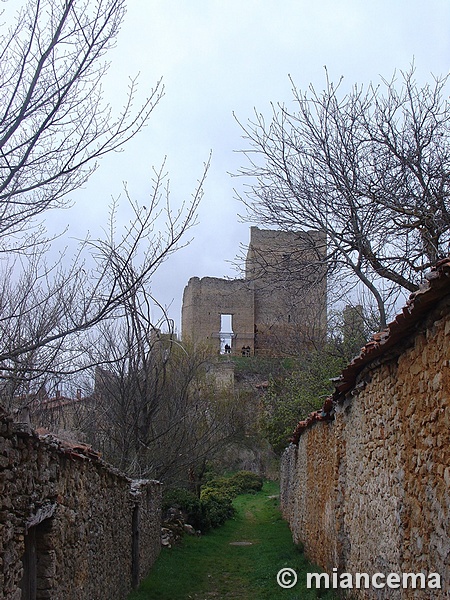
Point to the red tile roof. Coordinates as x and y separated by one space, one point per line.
72 448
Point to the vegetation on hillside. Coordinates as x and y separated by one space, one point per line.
293 397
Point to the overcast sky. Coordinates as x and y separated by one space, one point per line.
219 57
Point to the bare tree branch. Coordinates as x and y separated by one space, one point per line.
369 169
53 124
54 127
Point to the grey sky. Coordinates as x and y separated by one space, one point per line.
217 57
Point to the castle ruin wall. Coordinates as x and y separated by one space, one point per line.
206 299
279 306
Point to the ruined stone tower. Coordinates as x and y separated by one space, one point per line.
279 305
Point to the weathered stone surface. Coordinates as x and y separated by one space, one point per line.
370 491
272 304
80 513
206 299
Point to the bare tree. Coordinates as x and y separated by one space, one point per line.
369 169
54 128
46 314
54 125
154 411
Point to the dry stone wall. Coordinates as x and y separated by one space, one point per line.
369 490
72 527
307 477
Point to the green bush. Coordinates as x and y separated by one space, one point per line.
222 486
216 508
246 482
187 502
211 510
215 505
242 482
217 496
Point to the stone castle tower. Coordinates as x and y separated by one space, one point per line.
279 304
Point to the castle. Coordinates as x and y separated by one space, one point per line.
278 305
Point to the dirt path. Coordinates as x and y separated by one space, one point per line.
238 561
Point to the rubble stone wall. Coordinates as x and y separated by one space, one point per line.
71 526
370 491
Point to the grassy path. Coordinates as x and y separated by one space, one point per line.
239 560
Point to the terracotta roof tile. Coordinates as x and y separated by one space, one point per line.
71 448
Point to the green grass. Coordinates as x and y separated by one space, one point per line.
210 567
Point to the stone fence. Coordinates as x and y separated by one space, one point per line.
366 482
72 527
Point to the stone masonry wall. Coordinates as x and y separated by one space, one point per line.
370 491
308 495
288 272
204 301
280 304
72 527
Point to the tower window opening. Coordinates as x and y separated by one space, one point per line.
226 333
